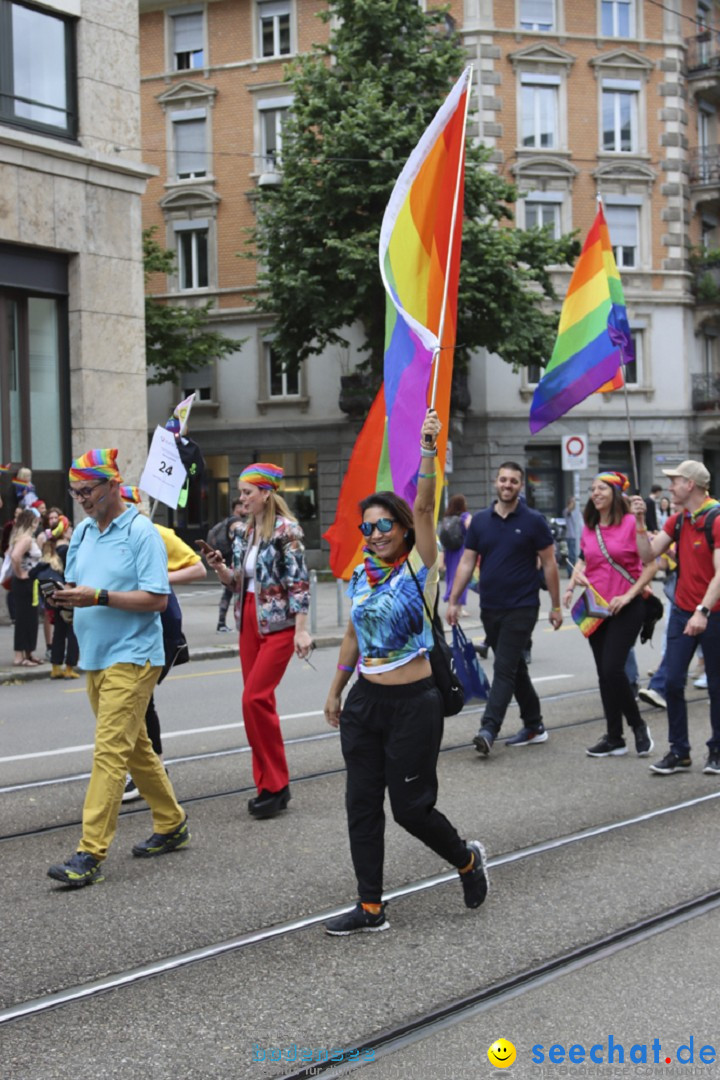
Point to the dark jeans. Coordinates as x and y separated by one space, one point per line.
678 655
508 633
26 616
390 738
152 723
611 643
225 599
64 648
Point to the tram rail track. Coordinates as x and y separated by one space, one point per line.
167 965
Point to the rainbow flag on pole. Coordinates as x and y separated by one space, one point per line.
593 339
420 266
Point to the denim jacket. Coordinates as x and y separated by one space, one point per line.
282 588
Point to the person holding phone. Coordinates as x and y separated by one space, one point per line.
270 579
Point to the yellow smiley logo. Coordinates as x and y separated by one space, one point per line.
501 1054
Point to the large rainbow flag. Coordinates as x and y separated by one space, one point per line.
593 339
420 266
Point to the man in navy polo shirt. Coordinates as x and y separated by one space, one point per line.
509 537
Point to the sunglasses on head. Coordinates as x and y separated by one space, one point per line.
383 525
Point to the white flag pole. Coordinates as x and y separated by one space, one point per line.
453 220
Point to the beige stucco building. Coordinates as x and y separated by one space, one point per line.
72 355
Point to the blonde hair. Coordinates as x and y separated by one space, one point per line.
26 524
274 506
24 474
51 557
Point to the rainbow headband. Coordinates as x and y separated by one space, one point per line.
95 465
263 474
615 479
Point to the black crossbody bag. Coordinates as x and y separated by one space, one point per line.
441 661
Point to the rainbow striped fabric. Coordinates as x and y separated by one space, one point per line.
589 611
262 474
593 336
416 237
178 422
95 465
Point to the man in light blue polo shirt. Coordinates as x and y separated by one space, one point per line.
118 585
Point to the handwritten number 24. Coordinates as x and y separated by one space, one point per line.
165 468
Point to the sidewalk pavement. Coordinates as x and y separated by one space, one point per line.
328 619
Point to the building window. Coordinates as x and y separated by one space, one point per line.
543 215
190 143
188 41
537 14
272 124
282 382
617 18
533 374
620 115
274 28
201 383
192 254
540 110
624 228
37 70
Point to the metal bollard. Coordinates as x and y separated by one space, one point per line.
340 592
313 602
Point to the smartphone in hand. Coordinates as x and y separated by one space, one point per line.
204 548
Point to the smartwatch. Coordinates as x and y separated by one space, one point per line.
102 598
703 610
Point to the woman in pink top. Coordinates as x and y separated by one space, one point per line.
609 561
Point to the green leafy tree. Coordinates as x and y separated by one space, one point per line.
177 338
360 105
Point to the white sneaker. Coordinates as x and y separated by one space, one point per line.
701 683
131 793
652 697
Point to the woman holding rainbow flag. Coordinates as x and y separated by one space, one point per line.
611 570
392 723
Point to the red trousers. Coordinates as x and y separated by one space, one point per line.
263 659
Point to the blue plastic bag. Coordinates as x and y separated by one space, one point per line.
473 678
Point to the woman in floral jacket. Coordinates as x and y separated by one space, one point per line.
270 579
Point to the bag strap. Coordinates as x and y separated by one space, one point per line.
606 553
431 617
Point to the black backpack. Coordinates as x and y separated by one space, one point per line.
452 533
707 526
219 537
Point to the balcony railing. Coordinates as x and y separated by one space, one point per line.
704 162
705 392
703 53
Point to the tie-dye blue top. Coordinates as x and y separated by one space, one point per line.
390 621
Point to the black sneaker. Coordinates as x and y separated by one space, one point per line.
483 741
131 793
712 765
82 868
607 747
528 736
671 763
161 843
357 921
475 882
643 739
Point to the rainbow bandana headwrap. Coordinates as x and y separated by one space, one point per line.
615 479
95 465
262 474
130 494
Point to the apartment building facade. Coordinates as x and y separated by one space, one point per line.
72 356
576 98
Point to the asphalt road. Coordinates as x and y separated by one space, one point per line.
554 889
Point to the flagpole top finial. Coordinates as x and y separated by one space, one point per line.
599 199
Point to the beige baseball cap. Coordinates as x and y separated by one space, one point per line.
691 470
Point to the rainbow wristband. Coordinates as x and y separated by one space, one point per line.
344 667
427 475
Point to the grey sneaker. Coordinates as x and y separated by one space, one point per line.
712 765
671 763
483 741
357 921
475 882
528 736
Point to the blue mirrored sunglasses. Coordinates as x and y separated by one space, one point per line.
383 525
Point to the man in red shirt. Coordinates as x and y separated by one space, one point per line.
695 614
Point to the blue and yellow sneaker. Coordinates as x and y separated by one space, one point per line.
82 868
161 843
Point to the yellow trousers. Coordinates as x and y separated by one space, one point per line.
119 697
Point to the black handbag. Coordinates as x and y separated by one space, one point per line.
442 661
